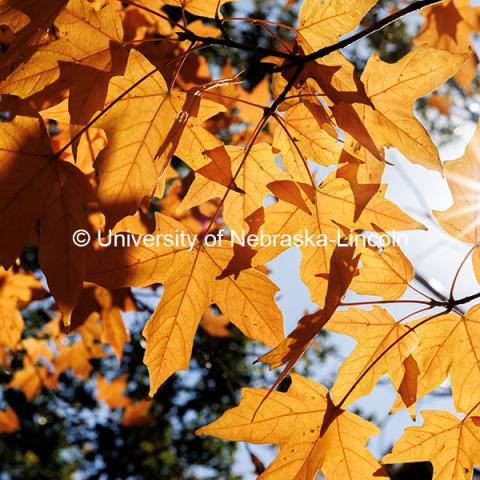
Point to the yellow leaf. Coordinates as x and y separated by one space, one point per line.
304 141
215 324
450 444
321 24
294 421
375 331
442 103
257 171
334 201
75 357
449 26
189 289
386 272
127 167
343 268
34 376
12 324
393 89
462 219
113 331
20 287
27 19
86 55
437 356
190 283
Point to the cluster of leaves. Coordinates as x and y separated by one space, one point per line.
112 123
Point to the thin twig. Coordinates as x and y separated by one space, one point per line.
457 273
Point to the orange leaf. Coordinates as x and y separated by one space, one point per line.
9 422
136 413
112 393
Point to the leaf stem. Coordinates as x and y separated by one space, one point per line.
380 302
457 273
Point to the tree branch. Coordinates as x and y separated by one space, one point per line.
295 59
222 42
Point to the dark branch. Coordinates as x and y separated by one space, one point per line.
223 42
303 59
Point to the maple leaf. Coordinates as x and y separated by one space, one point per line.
12 324
9 421
75 357
393 89
136 413
20 287
437 355
257 170
25 179
452 445
300 140
375 331
333 195
215 324
386 272
293 420
441 102
37 186
35 374
67 213
461 220
321 24
190 287
21 13
27 19
113 331
112 392
127 167
83 59
449 26
17 290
